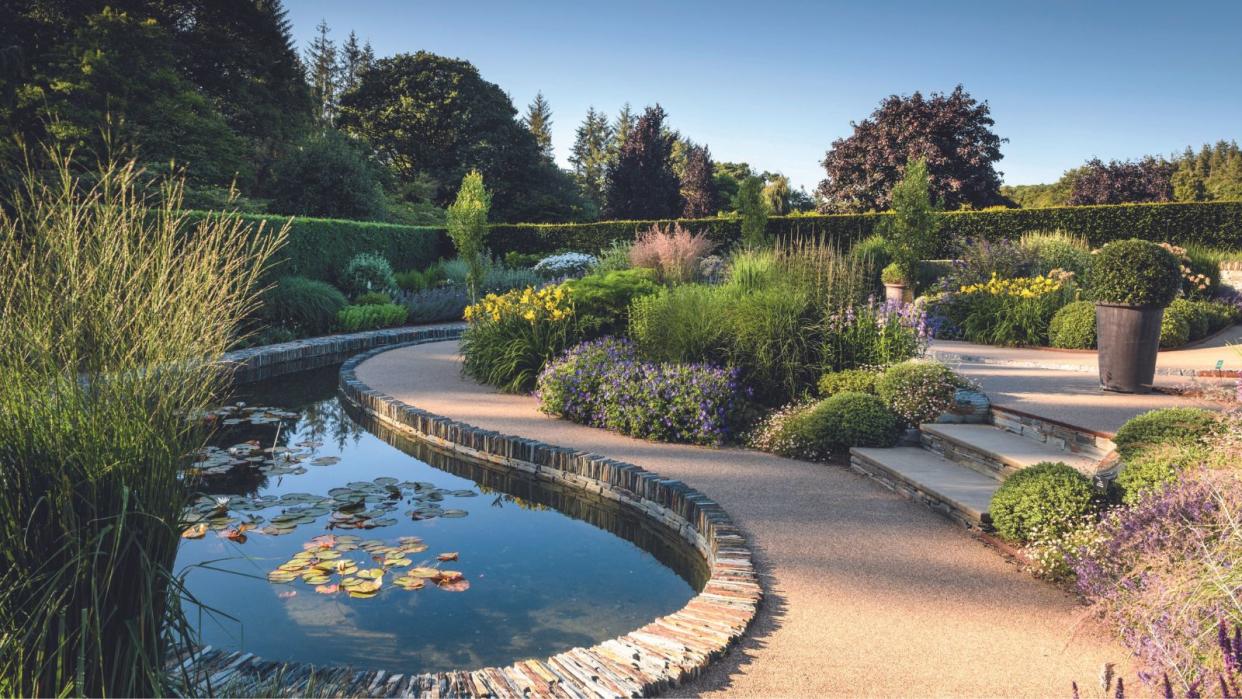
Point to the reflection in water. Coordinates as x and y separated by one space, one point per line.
549 567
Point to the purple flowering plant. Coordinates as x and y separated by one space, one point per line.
604 383
877 333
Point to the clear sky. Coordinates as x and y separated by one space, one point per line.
773 84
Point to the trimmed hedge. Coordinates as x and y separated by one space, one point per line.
319 247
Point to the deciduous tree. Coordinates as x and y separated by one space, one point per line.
952 133
1123 182
698 189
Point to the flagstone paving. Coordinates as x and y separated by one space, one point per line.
867 593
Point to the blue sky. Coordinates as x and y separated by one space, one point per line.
773 84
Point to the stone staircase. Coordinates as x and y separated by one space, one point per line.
958 467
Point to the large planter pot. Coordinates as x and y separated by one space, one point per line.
895 293
1128 338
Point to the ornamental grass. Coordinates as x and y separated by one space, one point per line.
113 313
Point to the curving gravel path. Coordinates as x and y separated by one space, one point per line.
867 593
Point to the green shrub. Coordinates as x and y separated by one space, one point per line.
1174 330
893 274
358 318
517 260
497 279
1057 250
1073 327
306 306
602 300
1195 315
615 257
412 280
373 298
683 324
1047 499
874 255
367 272
848 381
466 223
1154 467
919 391
1219 314
1135 272
819 430
435 304
1174 426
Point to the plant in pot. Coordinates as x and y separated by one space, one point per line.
912 231
1132 281
895 280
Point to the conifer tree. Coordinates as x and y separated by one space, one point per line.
641 183
589 156
352 64
539 120
621 129
322 73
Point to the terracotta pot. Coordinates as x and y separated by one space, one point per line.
895 293
1128 338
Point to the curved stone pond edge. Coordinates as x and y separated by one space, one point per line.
669 650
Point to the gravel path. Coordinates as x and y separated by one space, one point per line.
867 593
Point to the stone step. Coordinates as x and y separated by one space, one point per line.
949 488
1053 432
996 452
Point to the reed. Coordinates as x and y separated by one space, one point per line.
113 313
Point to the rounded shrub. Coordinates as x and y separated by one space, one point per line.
1135 272
1194 314
1169 426
1073 327
848 381
305 306
1155 467
1049 498
412 280
918 390
845 420
1174 330
373 298
872 251
893 274
365 272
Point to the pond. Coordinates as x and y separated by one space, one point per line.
328 541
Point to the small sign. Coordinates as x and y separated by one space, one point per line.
1220 364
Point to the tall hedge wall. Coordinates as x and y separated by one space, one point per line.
320 247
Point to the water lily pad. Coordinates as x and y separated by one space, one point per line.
454 585
281 576
331 589
397 562
423 572
464 493
197 531
371 573
384 480
449 556
453 514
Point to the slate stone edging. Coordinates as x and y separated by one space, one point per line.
660 655
255 363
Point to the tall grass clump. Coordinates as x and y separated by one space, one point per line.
113 314
831 280
674 253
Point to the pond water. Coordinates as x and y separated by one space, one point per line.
287 568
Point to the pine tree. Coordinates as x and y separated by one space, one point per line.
322 73
589 156
621 130
641 183
351 64
539 120
698 188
